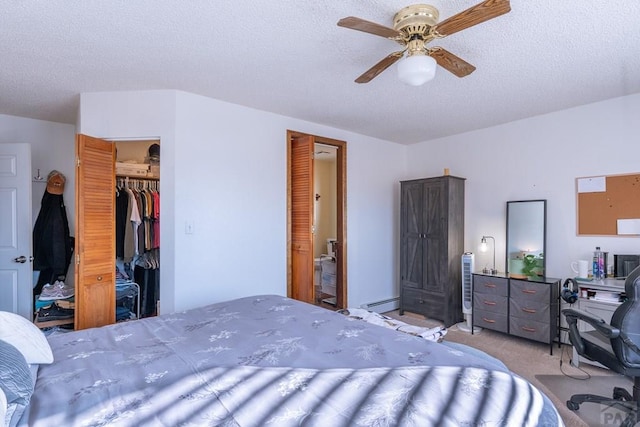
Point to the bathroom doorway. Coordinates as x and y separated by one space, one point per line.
316 220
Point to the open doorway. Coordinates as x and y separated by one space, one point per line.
138 236
316 220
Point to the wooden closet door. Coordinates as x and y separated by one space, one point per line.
302 262
95 233
411 235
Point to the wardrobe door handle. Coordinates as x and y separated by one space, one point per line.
99 278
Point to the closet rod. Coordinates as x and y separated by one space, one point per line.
145 178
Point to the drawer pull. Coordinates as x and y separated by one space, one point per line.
420 301
529 310
485 302
488 320
527 329
489 285
529 291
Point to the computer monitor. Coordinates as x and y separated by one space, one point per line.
624 264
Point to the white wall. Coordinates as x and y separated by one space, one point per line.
224 171
223 168
52 147
538 158
142 115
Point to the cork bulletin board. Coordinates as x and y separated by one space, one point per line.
608 205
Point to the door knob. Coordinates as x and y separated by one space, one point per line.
22 259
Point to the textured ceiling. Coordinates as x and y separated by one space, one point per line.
289 57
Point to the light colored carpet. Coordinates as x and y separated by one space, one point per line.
527 359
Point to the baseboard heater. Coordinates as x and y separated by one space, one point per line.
383 306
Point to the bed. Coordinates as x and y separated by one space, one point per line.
272 361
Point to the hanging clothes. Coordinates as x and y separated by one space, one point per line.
122 204
139 239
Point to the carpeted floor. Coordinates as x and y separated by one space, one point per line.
593 414
531 360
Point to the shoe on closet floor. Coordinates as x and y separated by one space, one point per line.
53 312
56 291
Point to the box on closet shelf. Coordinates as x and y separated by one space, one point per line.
132 169
154 171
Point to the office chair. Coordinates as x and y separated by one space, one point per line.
615 346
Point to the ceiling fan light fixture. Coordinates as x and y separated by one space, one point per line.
416 70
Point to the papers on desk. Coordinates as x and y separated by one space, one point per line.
606 296
607 290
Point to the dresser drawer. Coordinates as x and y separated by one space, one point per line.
425 303
492 303
490 320
530 310
523 290
526 328
490 285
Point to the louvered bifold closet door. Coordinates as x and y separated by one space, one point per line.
95 233
302 219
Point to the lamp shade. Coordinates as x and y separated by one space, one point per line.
416 70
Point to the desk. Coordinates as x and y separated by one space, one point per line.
600 298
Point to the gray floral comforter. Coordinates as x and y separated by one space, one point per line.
272 361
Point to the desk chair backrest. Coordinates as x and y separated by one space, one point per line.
627 319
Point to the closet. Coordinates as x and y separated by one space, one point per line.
97 272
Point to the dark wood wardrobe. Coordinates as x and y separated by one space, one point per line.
431 247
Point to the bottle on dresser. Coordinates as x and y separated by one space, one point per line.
599 264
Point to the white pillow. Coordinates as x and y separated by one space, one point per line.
26 337
3 407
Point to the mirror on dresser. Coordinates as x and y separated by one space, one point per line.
526 239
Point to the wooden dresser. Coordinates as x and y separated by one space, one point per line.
524 308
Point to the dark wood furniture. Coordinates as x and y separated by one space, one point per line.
431 247
524 308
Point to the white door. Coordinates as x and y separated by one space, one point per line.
16 287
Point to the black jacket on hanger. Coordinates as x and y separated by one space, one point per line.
52 244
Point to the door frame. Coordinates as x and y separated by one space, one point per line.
341 214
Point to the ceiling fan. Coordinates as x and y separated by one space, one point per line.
414 27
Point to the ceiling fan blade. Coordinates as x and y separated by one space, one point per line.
368 27
451 62
477 14
373 72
